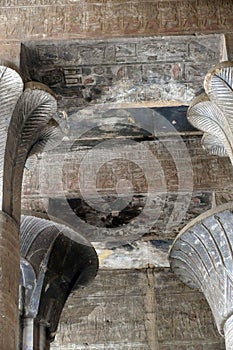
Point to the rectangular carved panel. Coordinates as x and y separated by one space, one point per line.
141 69
58 178
129 309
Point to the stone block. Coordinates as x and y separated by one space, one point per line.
138 314
123 67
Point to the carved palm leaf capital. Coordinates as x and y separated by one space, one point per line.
55 259
202 257
11 87
28 125
31 127
213 112
213 145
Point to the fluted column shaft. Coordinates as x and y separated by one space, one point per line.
34 335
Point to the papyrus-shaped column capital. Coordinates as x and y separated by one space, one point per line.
202 257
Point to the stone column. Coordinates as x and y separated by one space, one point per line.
24 123
202 254
55 260
11 87
28 334
9 282
34 335
202 257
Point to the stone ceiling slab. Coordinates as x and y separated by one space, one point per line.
122 70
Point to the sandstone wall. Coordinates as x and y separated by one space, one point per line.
144 309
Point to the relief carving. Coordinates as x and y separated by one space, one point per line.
26 127
212 111
169 16
202 254
48 249
78 18
188 15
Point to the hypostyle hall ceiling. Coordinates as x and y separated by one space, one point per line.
120 198
138 90
106 90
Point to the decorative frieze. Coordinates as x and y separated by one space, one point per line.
129 70
111 18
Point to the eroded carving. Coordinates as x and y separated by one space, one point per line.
92 18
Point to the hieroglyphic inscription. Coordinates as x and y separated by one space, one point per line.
84 18
93 318
70 19
20 3
65 65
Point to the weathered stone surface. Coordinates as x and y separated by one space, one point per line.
144 69
98 325
10 53
9 273
201 256
71 19
58 174
223 196
135 255
229 45
115 18
119 213
149 216
86 127
125 309
185 320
